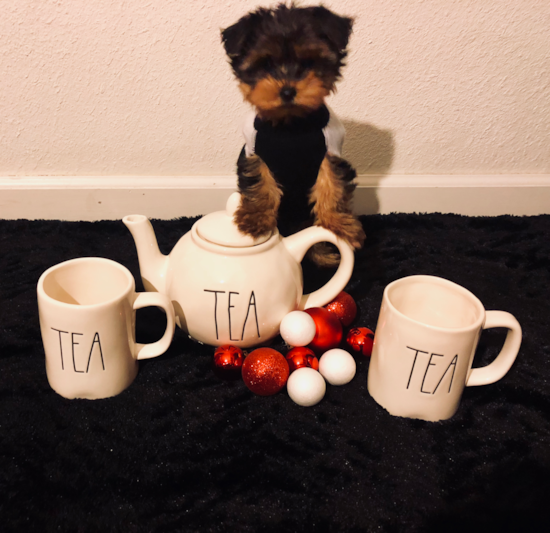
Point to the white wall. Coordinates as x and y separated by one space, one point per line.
117 88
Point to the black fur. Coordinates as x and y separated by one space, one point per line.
282 39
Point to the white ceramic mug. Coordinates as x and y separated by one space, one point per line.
424 345
87 320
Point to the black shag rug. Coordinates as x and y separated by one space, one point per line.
181 450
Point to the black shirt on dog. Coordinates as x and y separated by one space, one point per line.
293 152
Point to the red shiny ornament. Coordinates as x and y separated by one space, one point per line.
228 361
302 357
361 340
265 371
329 330
344 307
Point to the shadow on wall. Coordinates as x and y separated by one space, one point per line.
370 150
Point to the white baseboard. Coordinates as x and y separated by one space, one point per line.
112 197
489 195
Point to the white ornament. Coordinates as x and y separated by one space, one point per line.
297 328
306 386
337 366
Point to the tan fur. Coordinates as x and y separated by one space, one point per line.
257 213
324 255
310 92
265 96
331 197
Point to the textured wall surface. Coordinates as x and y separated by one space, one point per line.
112 87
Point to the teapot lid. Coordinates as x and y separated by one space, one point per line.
220 228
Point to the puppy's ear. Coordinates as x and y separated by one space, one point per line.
236 38
333 28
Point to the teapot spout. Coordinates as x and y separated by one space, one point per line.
152 263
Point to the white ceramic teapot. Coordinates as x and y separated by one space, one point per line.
228 288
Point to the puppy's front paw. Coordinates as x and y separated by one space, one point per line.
260 197
253 222
347 227
353 234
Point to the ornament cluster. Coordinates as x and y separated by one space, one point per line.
314 358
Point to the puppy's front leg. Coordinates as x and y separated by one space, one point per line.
332 195
260 197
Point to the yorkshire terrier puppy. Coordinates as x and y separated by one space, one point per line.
290 173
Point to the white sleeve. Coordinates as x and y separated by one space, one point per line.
249 132
334 133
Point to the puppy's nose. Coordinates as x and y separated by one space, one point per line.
288 94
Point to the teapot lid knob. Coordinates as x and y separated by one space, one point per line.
233 203
220 228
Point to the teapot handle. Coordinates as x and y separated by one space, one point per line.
299 243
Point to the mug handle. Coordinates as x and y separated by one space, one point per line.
299 243
154 349
504 360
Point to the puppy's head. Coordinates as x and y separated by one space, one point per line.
287 59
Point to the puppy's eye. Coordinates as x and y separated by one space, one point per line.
307 64
263 63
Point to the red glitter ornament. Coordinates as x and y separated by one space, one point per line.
361 340
228 361
265 371
302 357
329 330
344 307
